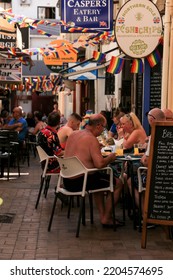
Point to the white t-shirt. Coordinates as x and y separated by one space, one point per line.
147 153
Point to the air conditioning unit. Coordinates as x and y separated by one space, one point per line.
25 2
42 13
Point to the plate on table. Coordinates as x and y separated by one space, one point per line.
105 154
137 155
129 157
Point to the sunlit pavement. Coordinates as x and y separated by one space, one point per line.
24 235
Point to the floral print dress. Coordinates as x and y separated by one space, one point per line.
49 141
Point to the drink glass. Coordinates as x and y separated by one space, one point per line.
136 149
142 148
119 151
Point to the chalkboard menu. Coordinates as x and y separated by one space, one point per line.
158 208
161 190
155 87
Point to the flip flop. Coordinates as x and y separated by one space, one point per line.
117 223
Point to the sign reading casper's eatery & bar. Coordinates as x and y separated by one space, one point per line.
95 14
138 28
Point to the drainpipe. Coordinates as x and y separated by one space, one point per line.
170 77
165 73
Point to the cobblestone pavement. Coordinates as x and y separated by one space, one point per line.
26 237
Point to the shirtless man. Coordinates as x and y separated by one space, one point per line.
64 132
168 114
84 144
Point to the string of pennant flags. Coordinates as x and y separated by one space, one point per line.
51 83
33 24
54 82
117 63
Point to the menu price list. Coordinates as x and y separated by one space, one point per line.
161 197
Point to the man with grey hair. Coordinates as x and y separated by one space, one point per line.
154 115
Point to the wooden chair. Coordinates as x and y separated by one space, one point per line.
46 174
71 167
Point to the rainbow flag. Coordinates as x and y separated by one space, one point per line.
156 56
115 65
99 57
137 66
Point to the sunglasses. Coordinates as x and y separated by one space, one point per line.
129 117
150 115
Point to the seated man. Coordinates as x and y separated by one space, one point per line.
84 144
64 132
168 114
18 123
48 140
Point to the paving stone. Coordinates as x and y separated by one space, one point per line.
27 236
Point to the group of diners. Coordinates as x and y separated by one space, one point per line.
72 140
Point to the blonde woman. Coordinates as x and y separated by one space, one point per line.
133 131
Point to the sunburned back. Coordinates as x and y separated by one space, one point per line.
63 134
84 145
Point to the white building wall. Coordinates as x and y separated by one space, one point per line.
29 7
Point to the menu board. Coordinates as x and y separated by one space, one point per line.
158 207
161 185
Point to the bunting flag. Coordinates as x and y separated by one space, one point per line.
44 33
156 56
99 57
115 65
137 66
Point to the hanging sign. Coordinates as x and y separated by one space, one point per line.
138 28
87 75
10 70
56 63
87 14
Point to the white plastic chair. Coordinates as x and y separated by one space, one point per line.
71 167
141 189
46 175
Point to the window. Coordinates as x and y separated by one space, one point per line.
46 13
